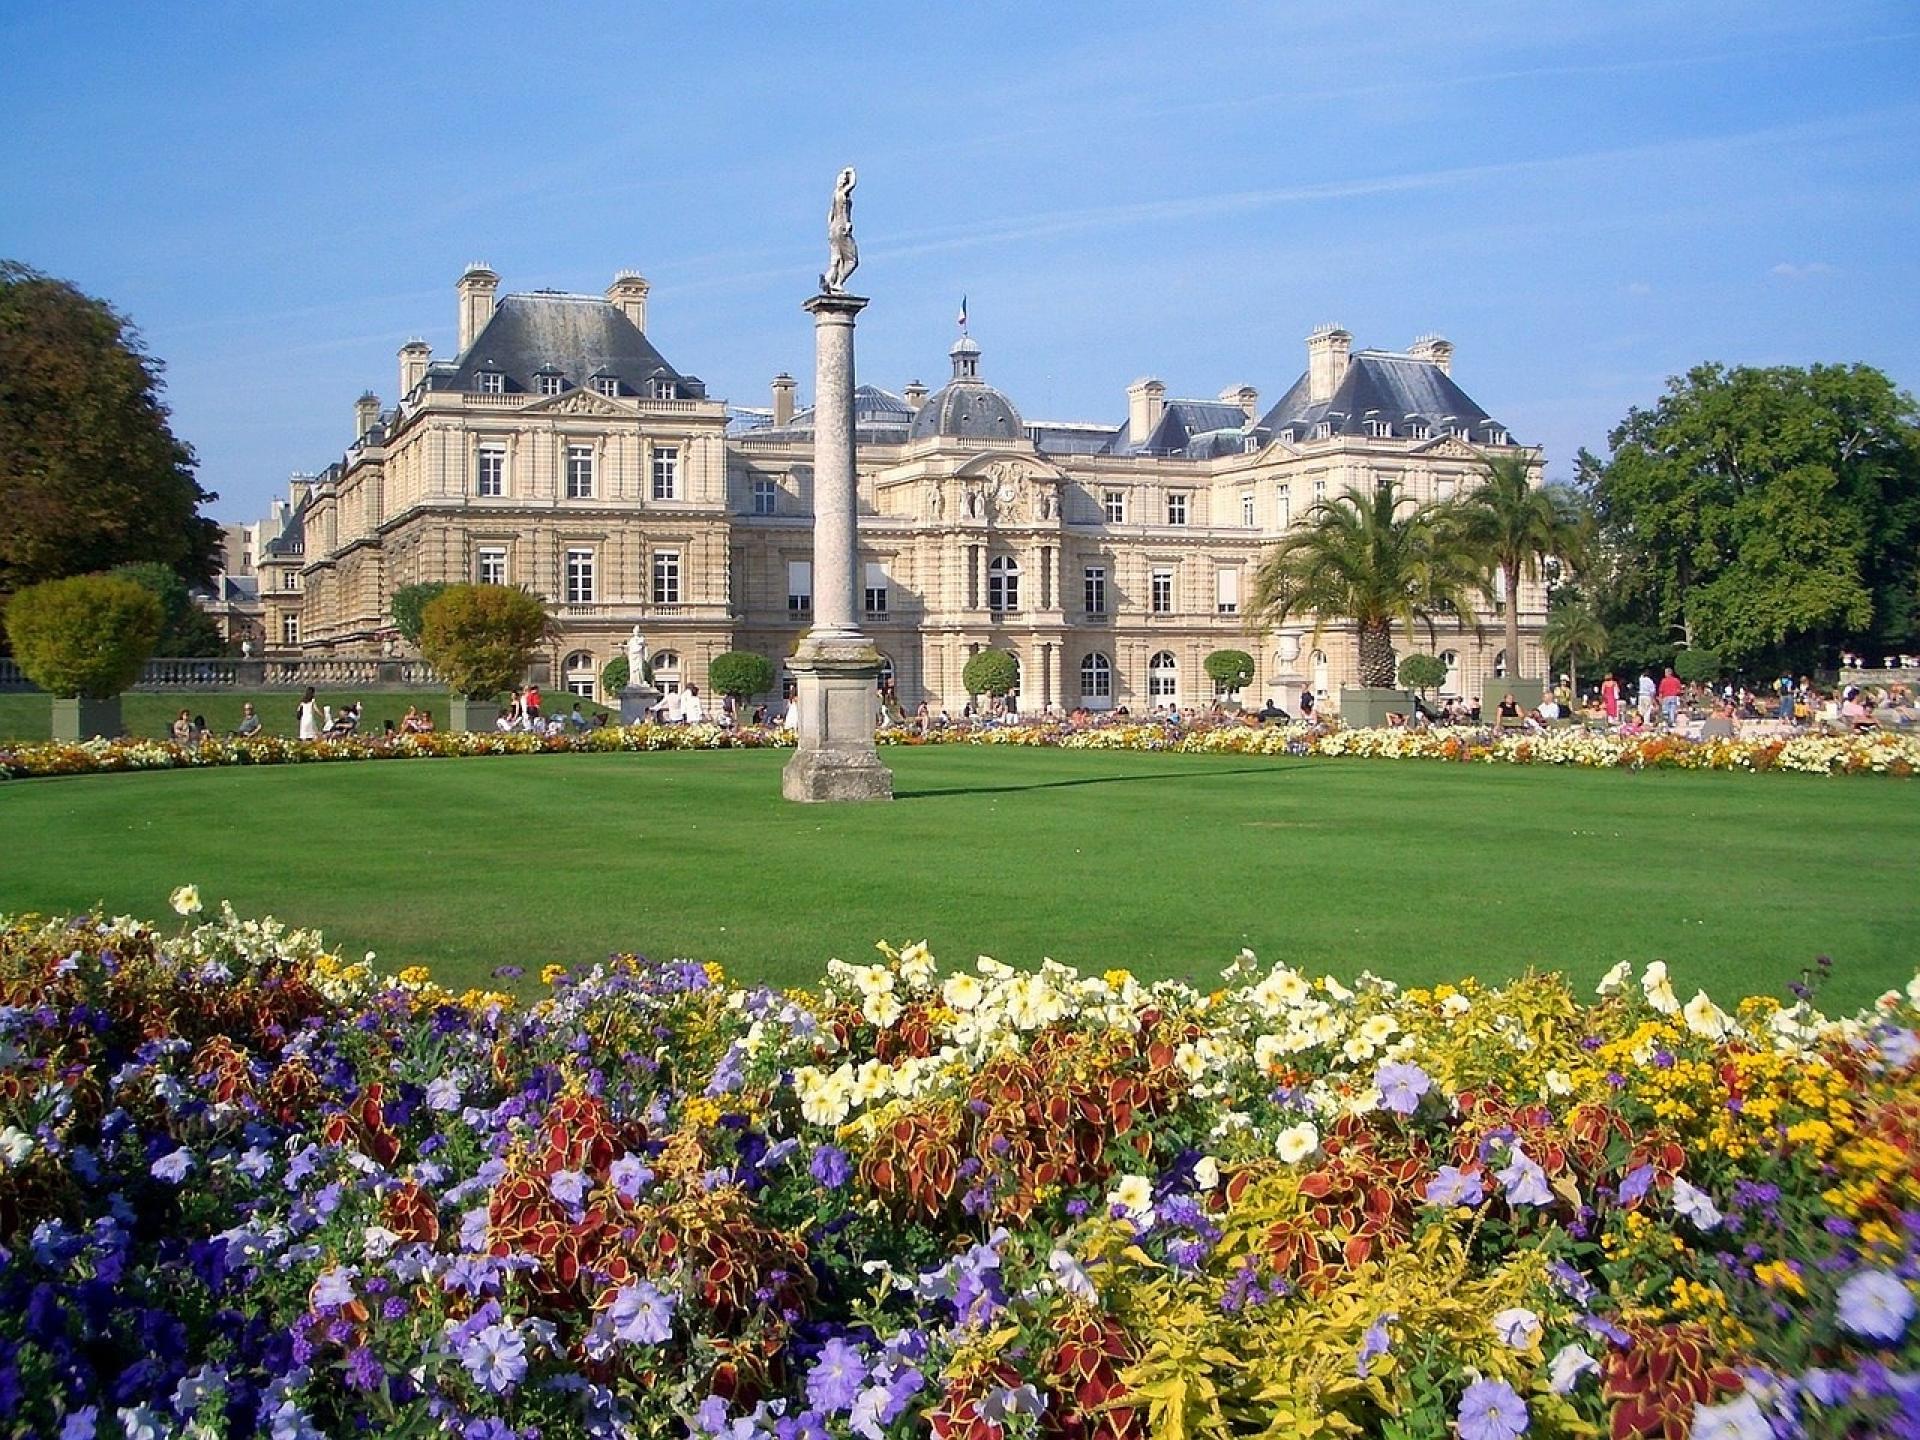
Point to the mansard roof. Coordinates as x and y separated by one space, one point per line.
579 336
1385 386
880 417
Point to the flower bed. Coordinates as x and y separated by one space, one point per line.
249 1189
1877 753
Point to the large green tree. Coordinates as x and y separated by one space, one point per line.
1771 515
1371 559
1515 527
90 474
185 628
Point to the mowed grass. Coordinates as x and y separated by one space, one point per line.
1163 864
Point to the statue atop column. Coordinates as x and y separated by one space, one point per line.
843 256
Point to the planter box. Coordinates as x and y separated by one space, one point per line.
1363 707
1526 692
82 718
464 714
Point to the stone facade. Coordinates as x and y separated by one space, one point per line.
560 451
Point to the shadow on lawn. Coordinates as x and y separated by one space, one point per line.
945 790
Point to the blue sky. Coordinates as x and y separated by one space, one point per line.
1585 198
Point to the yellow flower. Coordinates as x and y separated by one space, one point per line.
415 975
551 973
185 900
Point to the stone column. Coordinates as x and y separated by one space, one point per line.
836 668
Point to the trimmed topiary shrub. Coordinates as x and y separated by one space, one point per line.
741 674
1229 669
87 635
482 637
1422 672
991 672
1696 667
409 604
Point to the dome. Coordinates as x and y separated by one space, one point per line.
967 408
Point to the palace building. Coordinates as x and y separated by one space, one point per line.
559 449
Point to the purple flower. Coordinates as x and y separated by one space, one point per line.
1635 1185
1489 1410
334 1288
829 1166
443 1094
568 1186
364 1371
1525 1181
629 1176
834 1382
1694 1205
80 1425
1375 1343
1453 1186
496 1358
173 1167
1875 1305
641 1314
1401 1085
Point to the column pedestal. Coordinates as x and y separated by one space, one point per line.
636 701
834 705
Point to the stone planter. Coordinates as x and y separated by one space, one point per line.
1526 693
465 714
83 718
1364 707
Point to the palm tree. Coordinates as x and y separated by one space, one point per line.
1374 560
1574 630
1514 526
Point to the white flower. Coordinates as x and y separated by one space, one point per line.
1134 1194
1557 1082
1611 983
916 964
378 1240
1706 1019
1072 1277
185 900
1694 1205
1913 990
1518 1328
1358 1049
1455 1005
881 1008
1379 1029
1736 1420
1206 1172
1334 988
1296 1142
1659 989
1189 1061
1567 1366
15 1145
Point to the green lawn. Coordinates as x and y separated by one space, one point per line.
27 716
1165 864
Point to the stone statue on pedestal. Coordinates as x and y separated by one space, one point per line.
843 256
637 696
636 657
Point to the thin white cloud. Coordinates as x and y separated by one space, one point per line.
1787 270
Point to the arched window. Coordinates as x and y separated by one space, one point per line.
1450 685
1096 682
884 681
1319 672
1003 583
578 674
666 671
1163 678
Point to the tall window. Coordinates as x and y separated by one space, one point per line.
1226 592
1096 589
661 389
666 472
492 382
1283 500
766 495
579 577
578 674
492 566
1114 505
1319 491
493 471
1003 583
666 671
1176 509
606 385
799 587
1161 592
1096 680
547 384
1246 508
579 472
289 629
1163 678
876 589
666 577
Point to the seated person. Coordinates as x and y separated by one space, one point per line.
1508 711
410 722
347 721
249 722
426 722
1271 711
576 719
1396 720
182 729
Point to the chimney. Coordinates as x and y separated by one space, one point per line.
783 399
1145 400
1327 350
413 364
1246 397
366 413
1435 350
629 293
475 290
299 487
915 395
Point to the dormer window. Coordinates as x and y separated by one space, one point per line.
1419 430
1323 430
547 384
1457 432
1496 436
661 389
606 385
1287 436
1379 429
492 382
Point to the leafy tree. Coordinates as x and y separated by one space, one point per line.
1573 630
85 635
1422 672
1770 515
185 629
90 474
482 637
1378 560
1697 667
408 604
991 672
1515 527
741 674
1230 670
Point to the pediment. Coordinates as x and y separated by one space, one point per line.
1449 447
576 402
1003 466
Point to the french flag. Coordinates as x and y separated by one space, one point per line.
962 318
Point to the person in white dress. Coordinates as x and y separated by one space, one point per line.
309 716
693 710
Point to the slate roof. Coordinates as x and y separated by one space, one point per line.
880 417
580 336
1193 429
1382 385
